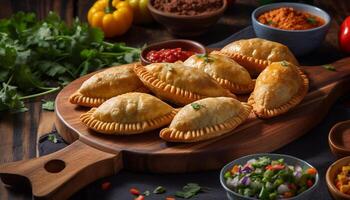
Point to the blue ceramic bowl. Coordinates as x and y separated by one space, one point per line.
288 159
300 42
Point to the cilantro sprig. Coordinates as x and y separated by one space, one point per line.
39 57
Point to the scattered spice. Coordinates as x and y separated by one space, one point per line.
196 106
52 138
106 185
329 67
134 191
159 190
290 19
189 190
48 105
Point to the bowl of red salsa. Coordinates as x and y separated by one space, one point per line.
170 51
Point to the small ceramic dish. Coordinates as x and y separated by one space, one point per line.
339 139
187 45
288 159
186 26
300 42
331 174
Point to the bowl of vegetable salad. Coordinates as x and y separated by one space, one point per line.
269 177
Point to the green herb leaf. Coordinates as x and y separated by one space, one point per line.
284 63
52 138
206 58
329 67
311 20
189 190
196 106
270 22
48 105
159 190
146 193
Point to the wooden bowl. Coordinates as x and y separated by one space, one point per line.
186 26
331 174
339 139
187 45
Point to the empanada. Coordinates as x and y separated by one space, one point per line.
205 119
227 72
106 84
178 83
129 113
255 54
278 88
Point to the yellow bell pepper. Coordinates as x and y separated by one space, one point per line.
141 13
114 17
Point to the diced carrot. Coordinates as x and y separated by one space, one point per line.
106 185
140 197
287 194
235 169
134 191
311 171
170 198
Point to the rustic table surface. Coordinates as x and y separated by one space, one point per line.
19 132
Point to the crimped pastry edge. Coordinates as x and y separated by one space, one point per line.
174 135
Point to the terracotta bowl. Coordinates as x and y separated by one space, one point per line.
339 139
331 174
187 45
186 26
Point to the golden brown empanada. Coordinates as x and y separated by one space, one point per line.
106 84
227 72
280 87
206 118
179 84
129 113
255 54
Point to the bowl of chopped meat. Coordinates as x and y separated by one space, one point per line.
187 18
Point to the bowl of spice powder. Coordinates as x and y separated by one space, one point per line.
187 17
301 27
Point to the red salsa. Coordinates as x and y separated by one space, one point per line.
168 55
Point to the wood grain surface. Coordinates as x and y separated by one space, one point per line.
18 132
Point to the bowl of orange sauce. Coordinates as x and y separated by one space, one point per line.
301 27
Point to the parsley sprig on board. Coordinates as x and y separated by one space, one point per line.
38 57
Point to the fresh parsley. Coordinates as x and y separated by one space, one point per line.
146 193
159 190
48 105
284 63
196 106
39 57
329 67
205 57
189 190
311 20
52 138
270 22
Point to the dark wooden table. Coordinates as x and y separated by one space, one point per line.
18 132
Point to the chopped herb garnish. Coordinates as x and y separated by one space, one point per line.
189 190
146 193
311 20
206 58
284 63
329 67
270 22
196 106
48 105
52 138
159 190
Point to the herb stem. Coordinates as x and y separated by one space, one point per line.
51 90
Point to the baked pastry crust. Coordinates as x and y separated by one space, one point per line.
106 84
205 119
129 113
255 54
280 87
178 83
227 72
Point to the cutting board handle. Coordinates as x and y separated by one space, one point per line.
60 174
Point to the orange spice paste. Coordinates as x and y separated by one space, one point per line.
290 19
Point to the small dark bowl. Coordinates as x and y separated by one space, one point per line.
187 45
339 139
300 42
186 26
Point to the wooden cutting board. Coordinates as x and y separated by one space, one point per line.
92 155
